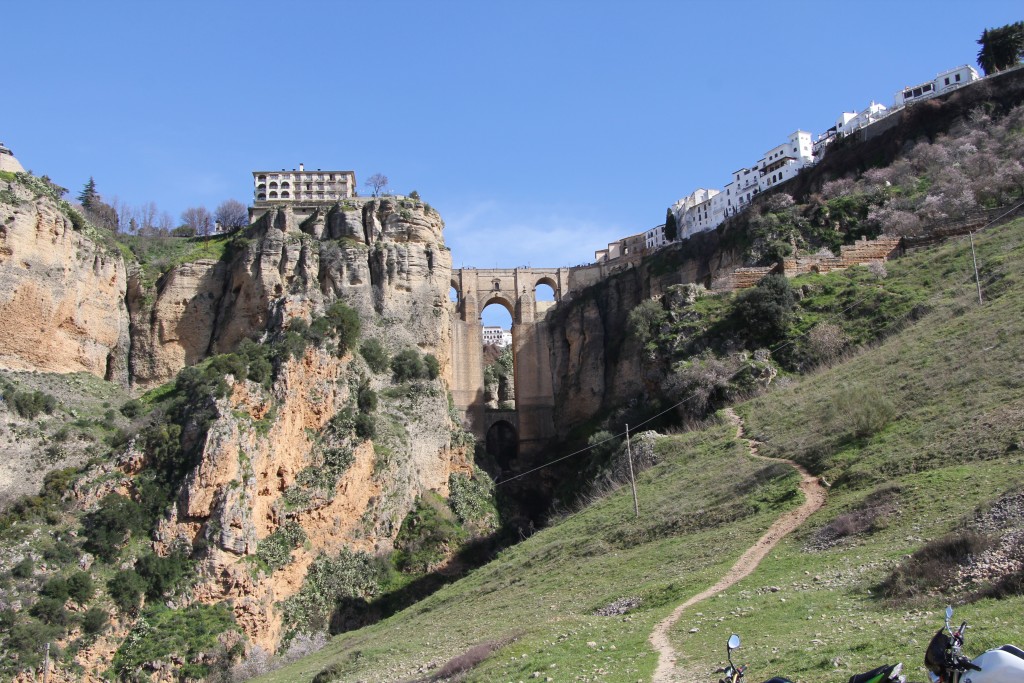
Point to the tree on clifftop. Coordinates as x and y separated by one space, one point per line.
671 226
231 214
377 183
1001 48
198 218
88 196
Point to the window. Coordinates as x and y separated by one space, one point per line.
947 80
957 78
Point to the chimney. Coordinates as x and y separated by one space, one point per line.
300 167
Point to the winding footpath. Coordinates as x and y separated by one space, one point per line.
814 498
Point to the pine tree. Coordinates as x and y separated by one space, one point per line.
88 196
1001 48
671 227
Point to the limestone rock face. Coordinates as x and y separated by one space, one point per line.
235 497
175 329
384 257
61 294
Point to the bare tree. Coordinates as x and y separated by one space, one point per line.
147 216
378 183
165 224
199 219
231 214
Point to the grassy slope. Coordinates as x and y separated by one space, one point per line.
949 436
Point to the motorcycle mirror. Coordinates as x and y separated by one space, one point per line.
734 641
949 612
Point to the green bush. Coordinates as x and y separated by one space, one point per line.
80 587
29 404
366 398
329 581
375 355
50 611
432 366
163 574
188 635
765 311
108 527
24 569
407 365
56 588
428 533
24 640
276 549
864 410
472 500
365 426
94 620
125 589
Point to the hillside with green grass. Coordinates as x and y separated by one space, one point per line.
920 436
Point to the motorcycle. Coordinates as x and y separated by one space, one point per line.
883 674
946 662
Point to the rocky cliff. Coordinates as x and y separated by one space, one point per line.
62 294
595 367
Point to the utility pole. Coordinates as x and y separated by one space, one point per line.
632 481
975 257
46 664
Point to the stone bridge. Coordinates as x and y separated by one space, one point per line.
515 289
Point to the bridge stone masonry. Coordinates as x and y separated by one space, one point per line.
515 289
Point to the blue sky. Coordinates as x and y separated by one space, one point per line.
539 130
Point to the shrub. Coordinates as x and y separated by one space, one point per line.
25 639
366 398
472 500
125 589
80 587
407 365
428 534
50 611
432 366
29 404
187 635
349 576
276 549
645 321
347 327
163 574
109 526
765 311
825 342
23 569
56 588
865 409
94 620
365 426
375 355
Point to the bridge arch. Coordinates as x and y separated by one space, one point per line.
530 424
502 301
502 443
547 280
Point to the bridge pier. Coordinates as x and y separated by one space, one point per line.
515 289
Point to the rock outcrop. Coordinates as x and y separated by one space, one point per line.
62 294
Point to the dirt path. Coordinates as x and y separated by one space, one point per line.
814 498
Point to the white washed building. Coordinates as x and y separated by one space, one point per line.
655 237
784 161
944 82
496 336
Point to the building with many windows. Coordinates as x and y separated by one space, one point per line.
496 336
302 186
944 82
